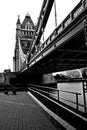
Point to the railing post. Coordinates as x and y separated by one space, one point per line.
84 97
77 101
58 94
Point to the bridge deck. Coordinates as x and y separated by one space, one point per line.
21 112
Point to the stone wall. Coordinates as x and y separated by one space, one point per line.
8 76
1 78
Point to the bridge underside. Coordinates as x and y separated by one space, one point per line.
71 54
66 51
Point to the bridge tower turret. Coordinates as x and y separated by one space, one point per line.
24 35
18 27
16 51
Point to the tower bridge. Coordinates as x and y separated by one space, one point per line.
65 48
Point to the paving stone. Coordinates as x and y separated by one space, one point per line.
21 112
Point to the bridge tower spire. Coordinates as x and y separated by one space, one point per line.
18 24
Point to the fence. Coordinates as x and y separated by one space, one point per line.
47 91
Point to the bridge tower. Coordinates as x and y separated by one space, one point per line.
24 35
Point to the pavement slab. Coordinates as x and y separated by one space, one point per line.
21 112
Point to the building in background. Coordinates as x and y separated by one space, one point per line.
1 78
24 35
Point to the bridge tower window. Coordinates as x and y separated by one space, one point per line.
28 26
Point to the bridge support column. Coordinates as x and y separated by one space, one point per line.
48 78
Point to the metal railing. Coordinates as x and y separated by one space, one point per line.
47 91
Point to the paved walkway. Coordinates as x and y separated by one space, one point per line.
21 112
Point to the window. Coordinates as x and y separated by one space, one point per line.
22 32
28 26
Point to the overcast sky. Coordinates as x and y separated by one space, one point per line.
9 11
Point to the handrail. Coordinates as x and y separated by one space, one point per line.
57 96
43 86
69 92
55 89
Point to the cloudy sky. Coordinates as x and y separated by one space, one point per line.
9 11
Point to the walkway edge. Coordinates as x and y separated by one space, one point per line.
53 115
